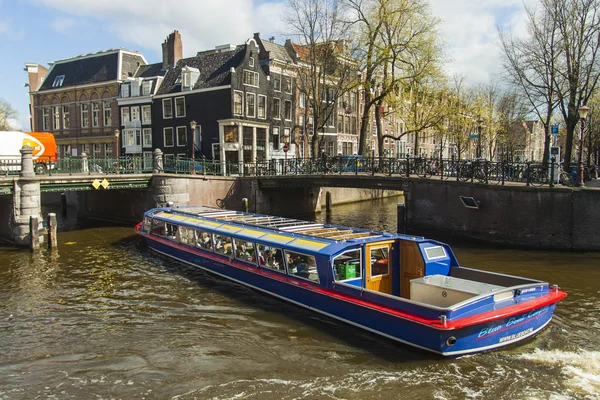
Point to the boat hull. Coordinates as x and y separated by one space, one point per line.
411 331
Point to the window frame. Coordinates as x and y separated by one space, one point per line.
177 115
107 113
146 143
249 73
165 136
177 130
360 265
46 118
295 274
125 90
66 122
135 112
253 97
147 108
168 101
85 122
264 107
241 104
287 110
146 85
277 115
58 81
56 117
125 110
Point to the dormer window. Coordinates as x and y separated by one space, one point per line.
58 81
178 80
146 86
189 77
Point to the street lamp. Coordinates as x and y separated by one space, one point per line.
193 126
117 132
479 122
583 112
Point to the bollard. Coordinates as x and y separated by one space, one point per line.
52 238
245 204
328 201
34 238
401 218
170 204
63 204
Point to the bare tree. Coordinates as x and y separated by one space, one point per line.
531 63
6 114
325 70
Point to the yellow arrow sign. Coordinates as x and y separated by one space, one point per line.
105 183
96 184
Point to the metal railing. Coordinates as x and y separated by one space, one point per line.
480 171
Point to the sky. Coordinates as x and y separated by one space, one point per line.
41 31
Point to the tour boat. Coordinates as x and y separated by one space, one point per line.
406 288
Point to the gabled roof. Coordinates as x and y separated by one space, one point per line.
214 68
93 68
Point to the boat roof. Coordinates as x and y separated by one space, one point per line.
294 234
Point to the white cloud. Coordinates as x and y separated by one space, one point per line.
469 29
14 123
63 25
4 27
202 24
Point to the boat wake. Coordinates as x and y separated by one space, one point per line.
581 369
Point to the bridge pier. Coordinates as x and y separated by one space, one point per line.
26 200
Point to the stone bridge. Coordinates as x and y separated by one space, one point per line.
515 214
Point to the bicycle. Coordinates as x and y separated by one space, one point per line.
564 178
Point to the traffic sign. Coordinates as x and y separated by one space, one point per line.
474 136
285 148
555 129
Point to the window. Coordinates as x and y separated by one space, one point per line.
159 227
277 83
251 61
330 95
302 266
347 266
301 120
168 137
56 112
181 136
124 115
286 135
169 160
276 138
238 105
97 150
262 106
125 90
65 117
287 110
146 86
107 113
340 123
65 150
172 231
108 150
85 148
244 250
147 161
167 108
186 236
84 116
204 240
95 114
287 84
132 137
180 107
250 109
147 136
58 81
270 257
146 115
223 244
379 261
276 108
135 113
250 78
302 100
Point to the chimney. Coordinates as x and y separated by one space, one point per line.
35 74
172 49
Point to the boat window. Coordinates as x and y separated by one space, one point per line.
203 240
223 244
347 265
302 265
158 227
434 253
270 257
186 235
379 261
244 250
172 231
147 224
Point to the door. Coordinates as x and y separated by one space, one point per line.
412 265
379 267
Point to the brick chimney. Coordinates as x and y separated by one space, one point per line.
35 74
172 49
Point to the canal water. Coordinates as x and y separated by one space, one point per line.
103 318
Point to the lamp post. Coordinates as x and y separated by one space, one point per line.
117 132
583 111
193 127
479 122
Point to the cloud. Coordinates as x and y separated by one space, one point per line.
4 27
202 24
63 25
14 124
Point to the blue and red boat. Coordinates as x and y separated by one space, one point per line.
405 288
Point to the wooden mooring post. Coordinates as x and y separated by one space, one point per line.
34 232
52 237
